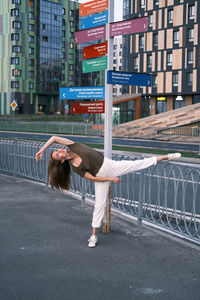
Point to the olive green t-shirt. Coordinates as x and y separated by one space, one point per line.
92 160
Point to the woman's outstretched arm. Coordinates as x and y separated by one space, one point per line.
53 139
101 179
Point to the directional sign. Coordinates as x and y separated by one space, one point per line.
14 105
82 93
95 50
89 35
92 7
87 107
95 20
126 78
129 26
94 65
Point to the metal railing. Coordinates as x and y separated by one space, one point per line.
179 134
167 195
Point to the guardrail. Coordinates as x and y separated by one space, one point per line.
166 195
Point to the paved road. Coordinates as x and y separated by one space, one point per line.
44 253
116 141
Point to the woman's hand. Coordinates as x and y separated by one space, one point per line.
115 179
39 155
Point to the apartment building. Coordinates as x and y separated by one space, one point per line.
117 62
169 50
37 53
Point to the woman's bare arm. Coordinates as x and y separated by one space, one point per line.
101 179
53 139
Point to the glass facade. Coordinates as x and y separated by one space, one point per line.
50 54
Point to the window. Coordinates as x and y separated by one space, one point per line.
63 11
191 35
63 22
120 53
141 42
31 3
71 13
71 56
190 57
176 37
114 61
14 12
55 17
16 1
31 50
63 44
31 15
15 37
156 2
14 60
120 68
16 49
154 80
71 67
43 26
142 3
62 77
63 54
31 39
150 20
63 66
175 79
149 61
71 23
14 84
45 38
70 77
169 59
191 12
135 62
114 54
71 45
155 40
71 35
120 61
31 62
115 47
31 85
189 78
120 46
63 33
16 24
31 27
170 15
31 74
16 72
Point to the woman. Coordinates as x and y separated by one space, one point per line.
91 165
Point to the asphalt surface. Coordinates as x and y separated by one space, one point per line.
116 141
44 253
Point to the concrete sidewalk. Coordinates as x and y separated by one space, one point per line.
44 253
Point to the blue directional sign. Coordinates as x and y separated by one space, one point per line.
82 93
95 20
126 78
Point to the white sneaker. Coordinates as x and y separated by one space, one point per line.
173 156
92 241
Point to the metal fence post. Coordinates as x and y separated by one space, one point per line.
47 153
140 205
15 158
83 193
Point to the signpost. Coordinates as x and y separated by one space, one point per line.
94 21
82 93
94 65
88 35
129 26
87 107
14 105
126 78
92 7
95 50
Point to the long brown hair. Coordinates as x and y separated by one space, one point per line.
59 174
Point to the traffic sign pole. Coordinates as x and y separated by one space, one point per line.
108 112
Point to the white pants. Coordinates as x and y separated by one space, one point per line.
114 168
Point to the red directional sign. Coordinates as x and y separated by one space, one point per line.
129 26
92 7
87 107
95 50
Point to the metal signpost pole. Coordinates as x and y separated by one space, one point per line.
108 107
